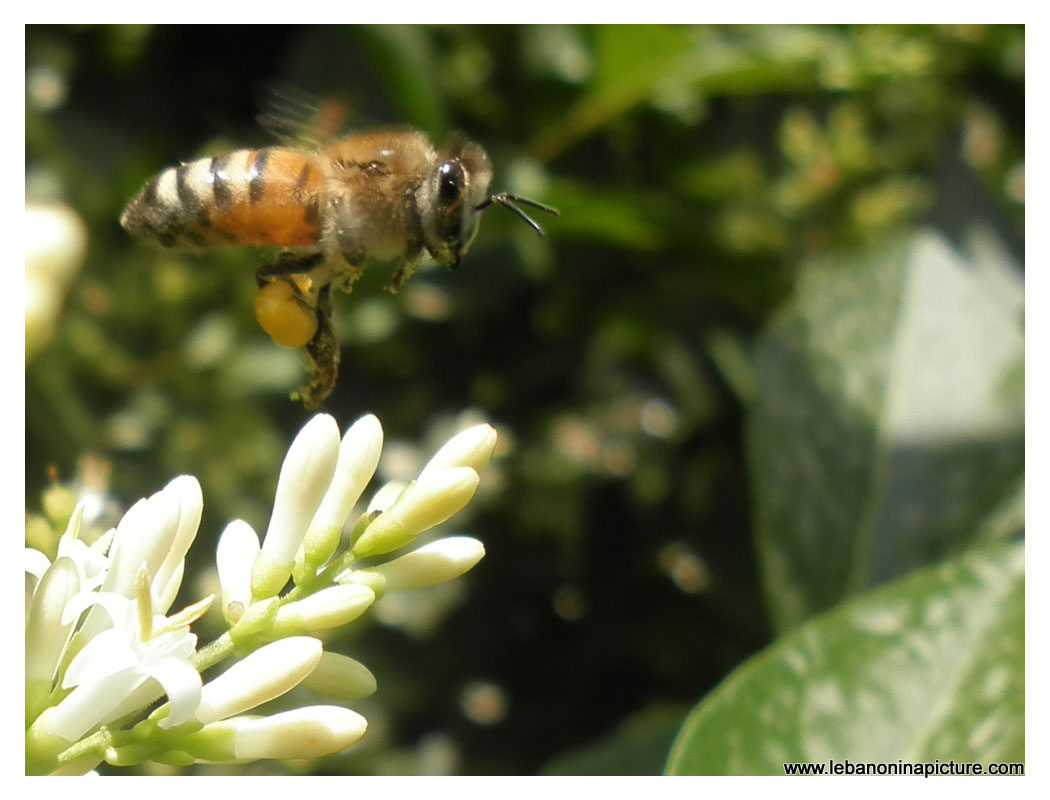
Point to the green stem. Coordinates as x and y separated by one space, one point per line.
212 653
324 578
90 750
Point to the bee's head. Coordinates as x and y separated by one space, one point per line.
449 198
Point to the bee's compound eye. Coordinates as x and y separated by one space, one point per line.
451 181
287 320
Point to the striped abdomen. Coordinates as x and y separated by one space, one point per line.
267 196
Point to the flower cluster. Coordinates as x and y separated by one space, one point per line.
102 649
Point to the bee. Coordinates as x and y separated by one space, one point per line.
387 194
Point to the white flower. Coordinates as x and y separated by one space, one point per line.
91 562
100 649
126 655
154 534
118 661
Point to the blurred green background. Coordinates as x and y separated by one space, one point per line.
627 525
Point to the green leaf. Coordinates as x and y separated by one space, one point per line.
889 419
631 62
930 667
638 63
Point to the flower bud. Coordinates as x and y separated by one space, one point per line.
341 678
328 608
263 675
364 577
305 475
310 732
437 562
46 635
257 617
358 458
234 557
385 496
427 502
470 448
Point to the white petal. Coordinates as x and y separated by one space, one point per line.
143 538
187 493
106 654
146 693
89 703
36 563
46 636
182 685
177 644
118 607
91 563
165 594
75 519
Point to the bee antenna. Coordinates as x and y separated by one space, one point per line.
508 201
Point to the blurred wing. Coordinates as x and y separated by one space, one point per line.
298 118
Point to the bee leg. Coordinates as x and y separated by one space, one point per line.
354 260
322 355
409 261
287 264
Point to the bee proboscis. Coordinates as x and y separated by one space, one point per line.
386 194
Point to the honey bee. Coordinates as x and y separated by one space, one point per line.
386 194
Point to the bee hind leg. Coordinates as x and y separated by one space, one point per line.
322 351
322 355
288 264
